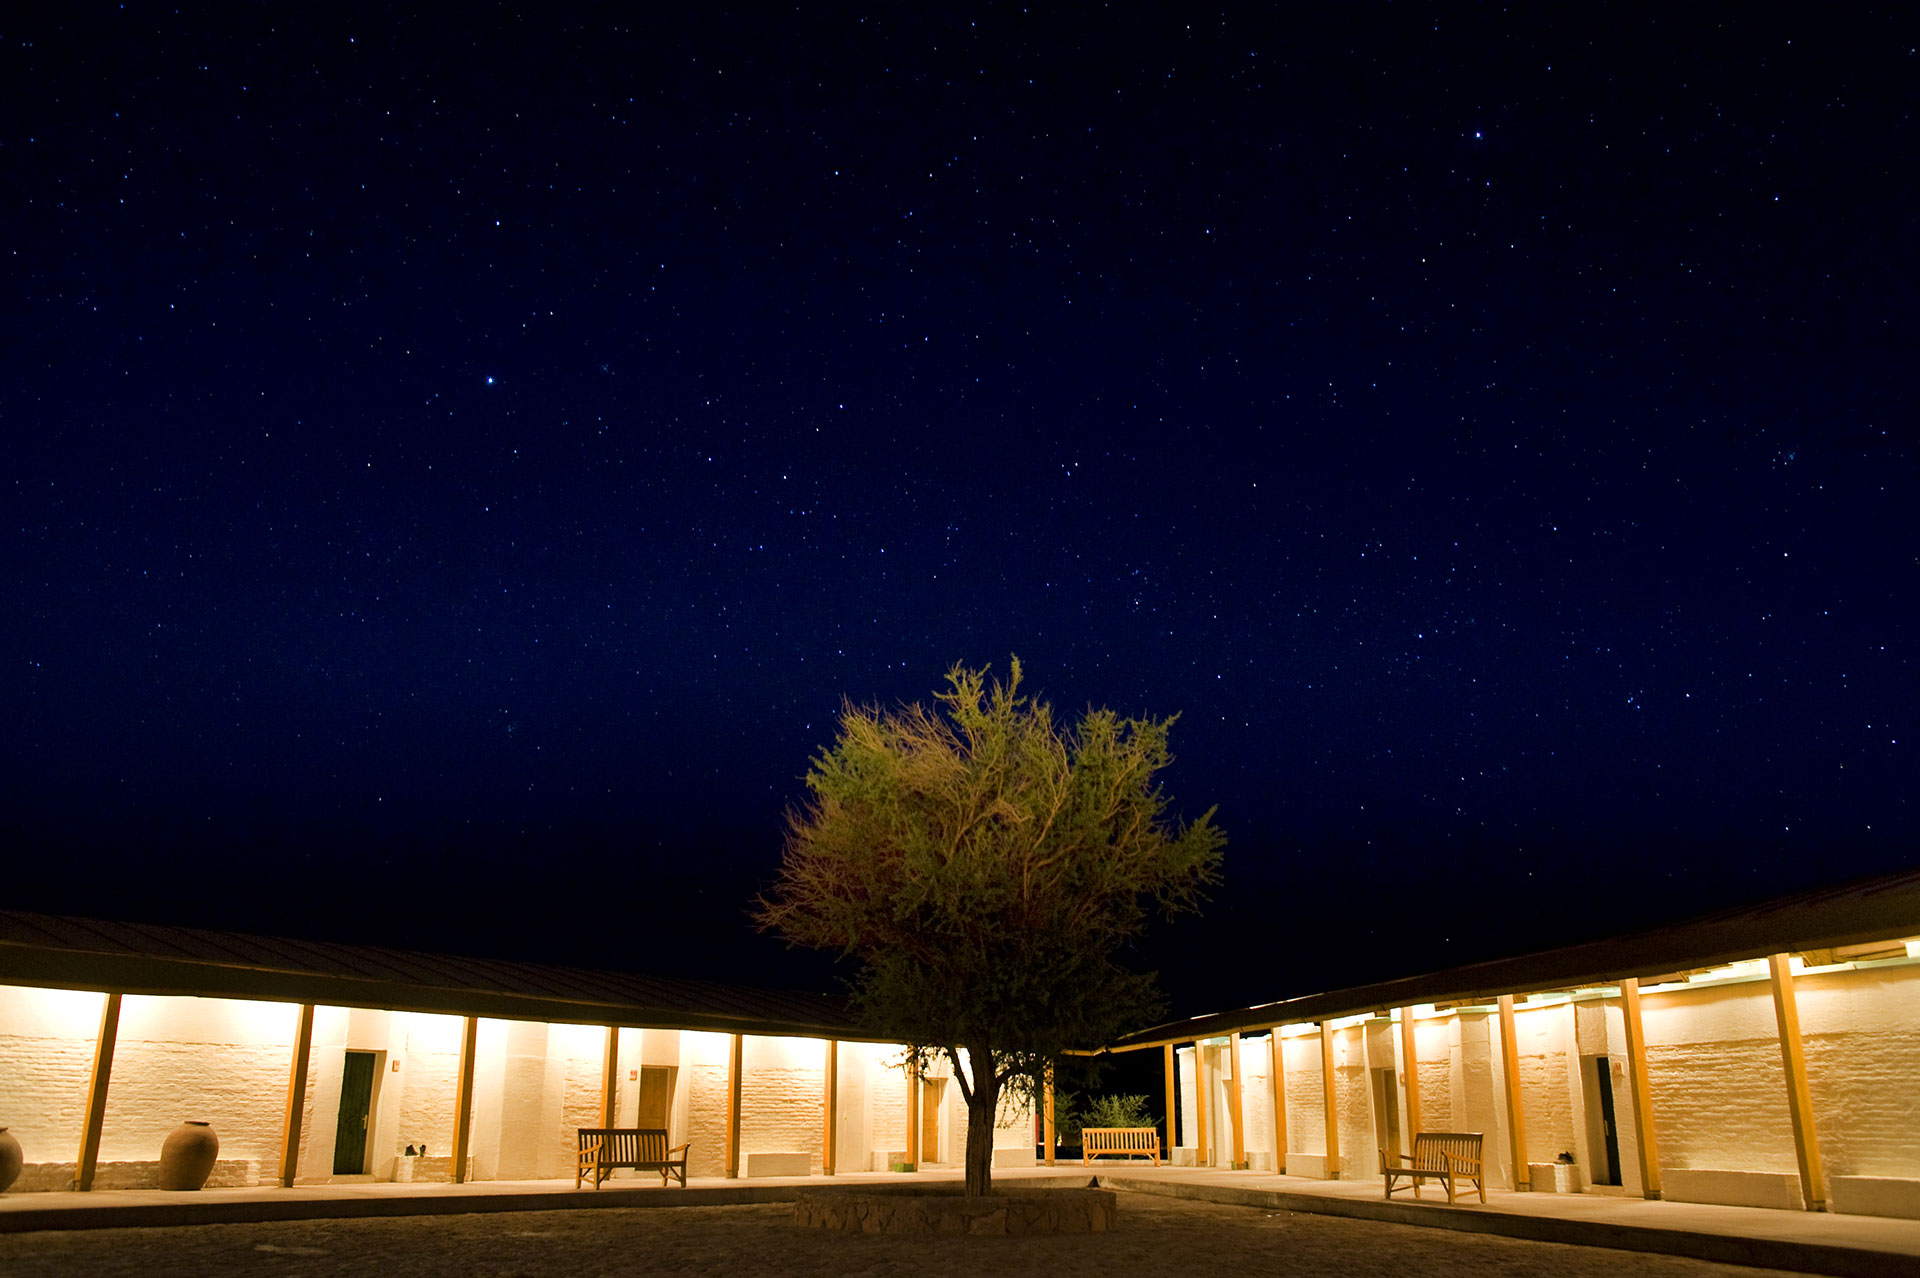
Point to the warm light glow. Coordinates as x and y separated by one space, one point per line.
1749 970
62 1013
178 1018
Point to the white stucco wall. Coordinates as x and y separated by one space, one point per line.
783 1098
222 1060
1432 1044
1719 1090
1861 1030
46 1057
1306 1107
1543 1037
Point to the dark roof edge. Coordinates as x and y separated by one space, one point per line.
60 967
1881 908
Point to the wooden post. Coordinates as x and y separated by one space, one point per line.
1410 1059
736 1057
1173 1100
829 1136
1234 1101
89 1158
610 1077
1642 1098
1279 1050
463 1101
1333 1112
1806 1141
1516 1112
296 1097
1049 1135
1203 1156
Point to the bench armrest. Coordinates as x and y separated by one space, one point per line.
679 1149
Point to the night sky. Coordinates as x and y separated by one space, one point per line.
457 461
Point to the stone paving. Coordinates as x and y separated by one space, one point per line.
1154 1237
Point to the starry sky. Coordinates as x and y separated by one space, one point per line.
457 460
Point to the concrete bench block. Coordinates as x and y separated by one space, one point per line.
1312 1166
779 1164
1015 1157
1734 1188
1555 1178
1876 1196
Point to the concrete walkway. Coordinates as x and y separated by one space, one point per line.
1810 1242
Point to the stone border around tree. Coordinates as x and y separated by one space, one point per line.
1020 1213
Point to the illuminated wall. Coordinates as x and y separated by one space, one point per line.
534 1084
46 1054
1717 1083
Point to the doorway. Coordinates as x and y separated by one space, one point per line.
932 1092
656 1096
1386 1111
356 1108
1603 1135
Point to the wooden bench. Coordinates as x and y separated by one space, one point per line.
1452 1158
642 1148
1126 1142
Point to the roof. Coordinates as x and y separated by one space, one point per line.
1855 914
143 958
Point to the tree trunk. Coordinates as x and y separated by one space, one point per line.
983 1107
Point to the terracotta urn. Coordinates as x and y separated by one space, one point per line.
187 1157
11 1159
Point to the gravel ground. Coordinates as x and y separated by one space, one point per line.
1155 1237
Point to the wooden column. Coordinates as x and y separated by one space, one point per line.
1648 1148
1806 1141
829 1135
1049 1123
1173 1100
1279 1050
736 1055
463 1101
296 1097
1333 1112
610 1077
1410 1061
1234 1102
1202 1136
1516 1112
89 1159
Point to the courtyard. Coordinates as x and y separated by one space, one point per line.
1156 1236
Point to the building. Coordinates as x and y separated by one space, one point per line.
318 1062
1766 1056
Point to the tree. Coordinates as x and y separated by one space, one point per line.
984 866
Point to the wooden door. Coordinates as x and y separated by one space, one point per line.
656 1096
930 1095
356 1105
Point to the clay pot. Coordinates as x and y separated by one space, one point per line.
186 1160
11 1160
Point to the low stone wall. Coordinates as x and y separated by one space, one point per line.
1024 1212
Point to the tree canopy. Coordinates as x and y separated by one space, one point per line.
984 865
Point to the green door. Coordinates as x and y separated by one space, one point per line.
356 1102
